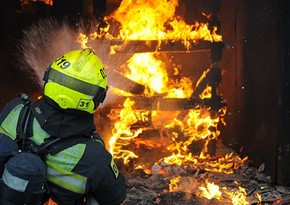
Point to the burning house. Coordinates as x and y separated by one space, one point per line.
198 106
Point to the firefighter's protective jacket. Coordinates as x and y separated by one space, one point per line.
84 168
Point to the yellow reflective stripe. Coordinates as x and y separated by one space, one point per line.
39 134
68 158
4 131
66 179
10 123
114 168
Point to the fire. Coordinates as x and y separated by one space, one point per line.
151 20
83 40
122 134
145 69
178 130
211 191
173 186
238 197
195 126
144 19
259 197
156 20
182 128
225 164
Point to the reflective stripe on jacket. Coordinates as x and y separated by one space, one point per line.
60 165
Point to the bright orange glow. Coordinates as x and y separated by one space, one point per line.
25 2
83 40
206 93
153 20
211 191
122 134
145 69
238 197
173 185
149 71
156 20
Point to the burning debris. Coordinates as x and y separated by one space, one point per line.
173 184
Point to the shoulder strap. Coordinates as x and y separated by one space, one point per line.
11 105
24 123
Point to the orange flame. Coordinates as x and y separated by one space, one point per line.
83 40
211 191
238 197
122 134
156 20
153 20
148 71
259 197
183 129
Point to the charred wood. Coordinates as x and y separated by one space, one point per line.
170 104
142 46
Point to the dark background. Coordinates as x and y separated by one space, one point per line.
256 68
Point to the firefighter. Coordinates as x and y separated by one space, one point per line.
74 86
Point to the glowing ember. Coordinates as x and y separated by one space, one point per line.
238 197
259 197
211 191
173 186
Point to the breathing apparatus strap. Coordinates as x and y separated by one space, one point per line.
24 129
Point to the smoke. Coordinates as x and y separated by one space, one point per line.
42 43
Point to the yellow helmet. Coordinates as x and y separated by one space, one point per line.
76 80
